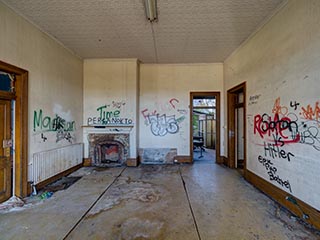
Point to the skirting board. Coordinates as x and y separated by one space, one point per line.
187 159
223 160
87 162
296 206
41 185
182 159
132 162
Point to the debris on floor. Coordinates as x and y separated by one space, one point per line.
200 201
17 204
11 203
46 195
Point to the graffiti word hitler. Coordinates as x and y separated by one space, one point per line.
161 125
46 123
275 151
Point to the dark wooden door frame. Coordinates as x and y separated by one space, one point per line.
217 97
5 153
21 125
231 106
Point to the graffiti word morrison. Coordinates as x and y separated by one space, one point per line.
55 124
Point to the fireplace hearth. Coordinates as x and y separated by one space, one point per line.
108 150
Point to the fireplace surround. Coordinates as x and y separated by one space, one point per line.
108 149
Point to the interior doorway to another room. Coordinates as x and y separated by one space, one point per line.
237 128
205 121
13 131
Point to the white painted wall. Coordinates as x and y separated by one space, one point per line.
165 89
281 61
55 78
112 83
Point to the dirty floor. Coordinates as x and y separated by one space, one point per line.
200 201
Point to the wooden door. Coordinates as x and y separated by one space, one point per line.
231 130
5 150
236 100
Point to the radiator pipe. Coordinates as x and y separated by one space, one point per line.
34 189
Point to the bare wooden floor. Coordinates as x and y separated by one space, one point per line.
200 201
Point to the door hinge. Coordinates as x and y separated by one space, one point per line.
7 143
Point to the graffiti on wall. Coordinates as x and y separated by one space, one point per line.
311 113
254 99
118 104
272 172
109 114
163 123
287 124
44 123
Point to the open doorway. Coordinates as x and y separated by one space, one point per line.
13 131
205 127
237 128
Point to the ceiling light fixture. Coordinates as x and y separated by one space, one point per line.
151 9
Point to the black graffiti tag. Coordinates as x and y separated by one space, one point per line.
272 172
161 125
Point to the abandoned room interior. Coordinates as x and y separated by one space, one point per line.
145 119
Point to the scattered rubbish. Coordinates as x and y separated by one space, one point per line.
46 195
293 218
278 211
37 197
11 203
294 201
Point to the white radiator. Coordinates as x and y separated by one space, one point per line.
49 163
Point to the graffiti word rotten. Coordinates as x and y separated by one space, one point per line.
283 127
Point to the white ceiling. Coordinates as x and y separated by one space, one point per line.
188 31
